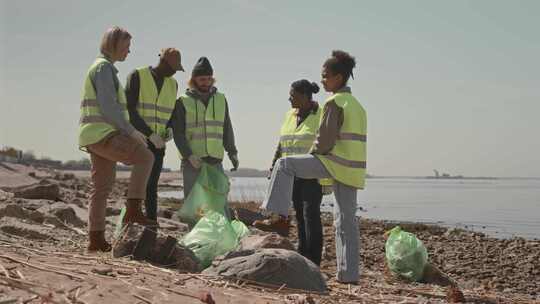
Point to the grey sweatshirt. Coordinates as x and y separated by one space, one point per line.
331 122
106 83
178 124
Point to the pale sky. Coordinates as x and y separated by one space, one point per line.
448 85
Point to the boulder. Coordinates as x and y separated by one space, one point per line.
4 196
146 244
64 176
271 240
272 266
127 240
19 228
184 260
69 214
13 210
46 191
17 211
168 252
32 204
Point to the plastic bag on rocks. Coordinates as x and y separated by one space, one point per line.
214 235
406 255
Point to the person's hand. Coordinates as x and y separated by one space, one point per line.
269 176
169 134
327 190
234 161
139 137
195 161
157 141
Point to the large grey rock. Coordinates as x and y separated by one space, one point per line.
46 191
4 196
12 210
271 240
32 204
184 259
69 214
127 240
168 252
17 211
64 176
16 227
143 243
272 266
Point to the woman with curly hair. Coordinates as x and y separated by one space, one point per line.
339 153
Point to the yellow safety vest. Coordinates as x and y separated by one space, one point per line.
92 125
204 125
346 162
299 139
156 110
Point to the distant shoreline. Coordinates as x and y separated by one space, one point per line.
262 174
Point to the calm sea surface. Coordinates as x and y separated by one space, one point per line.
501 208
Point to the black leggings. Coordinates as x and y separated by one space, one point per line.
150 203
307 197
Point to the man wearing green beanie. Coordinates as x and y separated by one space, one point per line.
202 126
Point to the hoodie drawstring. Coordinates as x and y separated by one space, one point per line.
213 107
196 114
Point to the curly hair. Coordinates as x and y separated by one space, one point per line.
341 63
305 87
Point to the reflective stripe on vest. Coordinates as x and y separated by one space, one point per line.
346 162
156 109
93 127
204 125
299 139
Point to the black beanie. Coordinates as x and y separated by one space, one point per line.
202 68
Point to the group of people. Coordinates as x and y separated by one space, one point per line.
322 149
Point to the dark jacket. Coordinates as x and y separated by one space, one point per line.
178 124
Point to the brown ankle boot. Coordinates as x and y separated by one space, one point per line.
97 242
134 213
277 224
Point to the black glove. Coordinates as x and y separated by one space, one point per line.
234 161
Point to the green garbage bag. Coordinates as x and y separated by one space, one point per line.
406 255
209 193
119 226
240 229
212 236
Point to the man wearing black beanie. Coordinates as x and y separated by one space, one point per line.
202 126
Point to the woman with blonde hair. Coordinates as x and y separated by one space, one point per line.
106 134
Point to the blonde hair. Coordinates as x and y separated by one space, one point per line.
191 83
111 38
